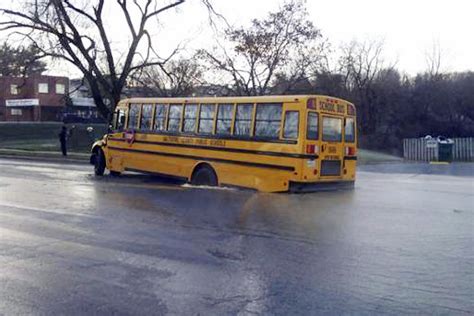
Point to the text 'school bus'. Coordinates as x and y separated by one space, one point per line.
268 143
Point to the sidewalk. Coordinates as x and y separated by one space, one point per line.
50 156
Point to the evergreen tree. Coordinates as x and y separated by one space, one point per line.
20 61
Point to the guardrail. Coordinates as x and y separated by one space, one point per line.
421 149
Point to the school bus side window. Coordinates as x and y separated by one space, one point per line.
224 119
133 115
118 120
312 126
349 130
190 115
268 120
147 112
243 119
206 118
290 129
160 117
174 117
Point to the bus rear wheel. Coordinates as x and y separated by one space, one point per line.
99 163
204 175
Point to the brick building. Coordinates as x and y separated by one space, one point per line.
34 98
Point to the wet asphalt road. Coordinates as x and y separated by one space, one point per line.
400 243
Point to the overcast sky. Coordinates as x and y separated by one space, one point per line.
409 28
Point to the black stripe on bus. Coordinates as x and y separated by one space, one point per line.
243 163
350 157
222 137
236 150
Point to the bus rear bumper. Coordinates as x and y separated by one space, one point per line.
305 187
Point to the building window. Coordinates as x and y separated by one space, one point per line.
16 112
60 88
13 89
43 88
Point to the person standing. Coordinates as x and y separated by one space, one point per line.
63 136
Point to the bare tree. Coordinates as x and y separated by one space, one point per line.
433 60
176 78
285 42
360 63
75 31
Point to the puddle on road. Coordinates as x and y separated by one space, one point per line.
38 169
52 171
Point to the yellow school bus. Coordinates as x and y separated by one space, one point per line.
267 143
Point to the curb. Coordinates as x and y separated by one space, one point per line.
40 158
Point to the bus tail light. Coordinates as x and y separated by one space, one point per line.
310 149
350 151
311 104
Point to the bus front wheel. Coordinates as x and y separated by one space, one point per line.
99 163
204 175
